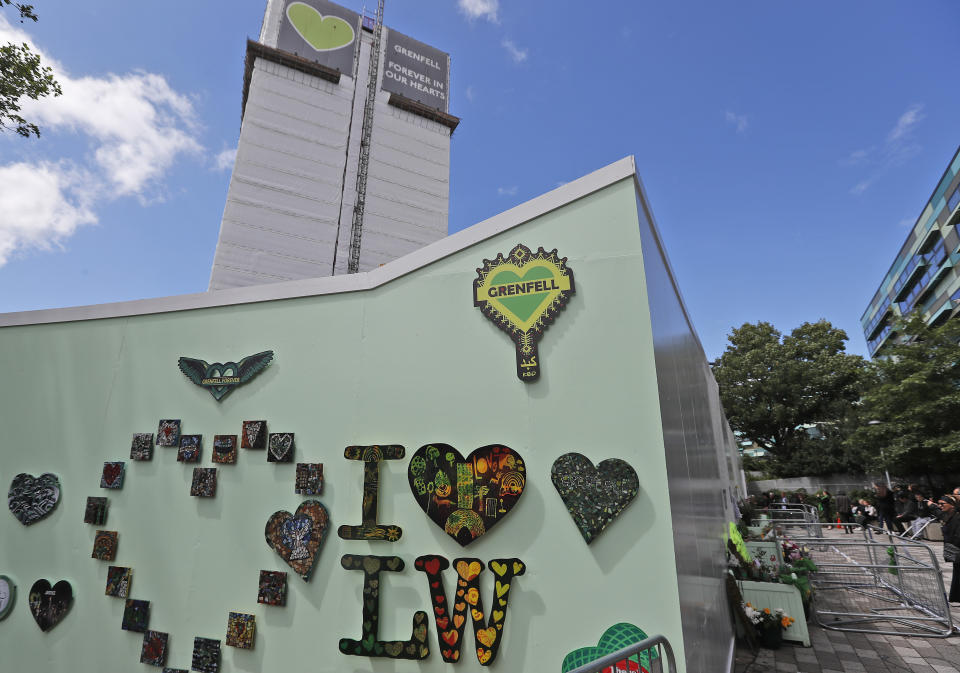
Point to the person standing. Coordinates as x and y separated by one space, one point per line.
885 509
950 522
844 511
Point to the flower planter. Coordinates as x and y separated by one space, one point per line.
771 637
769 552
784 596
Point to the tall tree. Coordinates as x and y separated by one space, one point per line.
21 74
775 387
911 411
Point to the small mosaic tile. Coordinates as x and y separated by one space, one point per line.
189 451
168 433
241 628
141 448
225 449
309 479
96 511
112 476
280 447
136 616
119 580
254 435
204 482
206 655
154 650
273 588
105 545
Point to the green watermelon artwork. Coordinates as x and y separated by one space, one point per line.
615 638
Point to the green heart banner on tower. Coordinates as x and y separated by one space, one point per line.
522 294
320 31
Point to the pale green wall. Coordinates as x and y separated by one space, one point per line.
410 363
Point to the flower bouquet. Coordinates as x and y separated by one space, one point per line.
770 624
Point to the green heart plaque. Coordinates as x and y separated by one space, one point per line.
522 294
323 33
615 638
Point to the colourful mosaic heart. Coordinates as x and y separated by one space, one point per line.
594 496
297 538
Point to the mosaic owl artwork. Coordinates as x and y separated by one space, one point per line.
49 604
594 496
297 538
96 511
241 629
168 432
466 497
225 449
141 447
32 498
154 649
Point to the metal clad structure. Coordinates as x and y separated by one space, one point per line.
292 192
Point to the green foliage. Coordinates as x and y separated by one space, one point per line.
773 385
22 75
914 395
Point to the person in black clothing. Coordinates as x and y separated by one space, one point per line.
885 509
844 511
950 521
906 509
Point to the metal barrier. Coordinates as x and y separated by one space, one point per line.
793 519
892 586
646 656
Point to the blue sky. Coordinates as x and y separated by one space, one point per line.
786 147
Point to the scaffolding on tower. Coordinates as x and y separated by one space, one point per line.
363 164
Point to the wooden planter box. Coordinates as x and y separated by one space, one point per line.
785 596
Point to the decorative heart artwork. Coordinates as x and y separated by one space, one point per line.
32 498
221 378
323 33
594 496
280 447
49 605
522 294
8 592
297 538
466 496
615 638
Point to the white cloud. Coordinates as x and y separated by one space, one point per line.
225 160
905 124
480 9
739 121
136 125
897 147
43 203
471 94
507 191
516 53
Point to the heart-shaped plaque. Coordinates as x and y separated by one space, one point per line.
49 605
297 538
594 496
8 592
466 496
220 378
615 638
522 294
323 33
32 498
